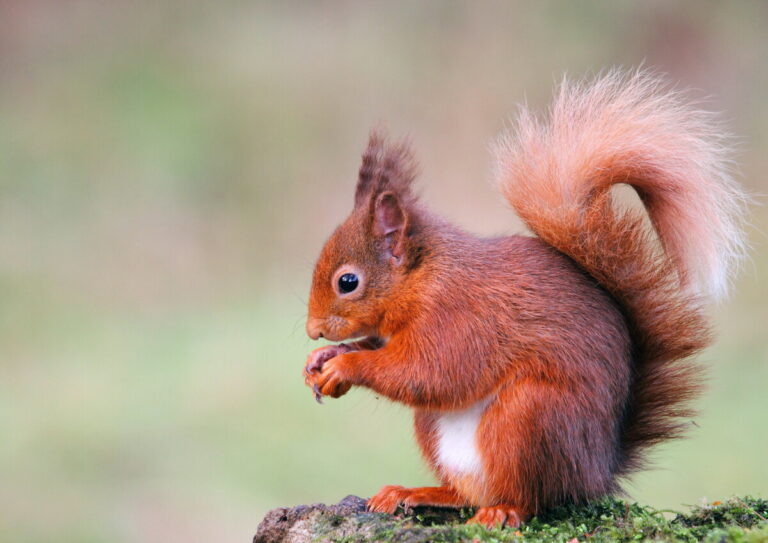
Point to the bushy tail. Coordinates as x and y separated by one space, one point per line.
557 174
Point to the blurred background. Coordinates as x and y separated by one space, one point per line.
168 174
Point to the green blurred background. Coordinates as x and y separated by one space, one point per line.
168 174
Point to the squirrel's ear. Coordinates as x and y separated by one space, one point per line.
390 223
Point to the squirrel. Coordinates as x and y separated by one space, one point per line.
540 369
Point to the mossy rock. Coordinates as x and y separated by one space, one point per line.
736 520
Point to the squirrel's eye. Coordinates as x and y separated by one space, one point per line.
348 282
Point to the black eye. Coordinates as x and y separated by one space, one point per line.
348 282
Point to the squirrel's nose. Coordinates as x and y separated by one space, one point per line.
315 327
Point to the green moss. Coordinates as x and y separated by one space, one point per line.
739 520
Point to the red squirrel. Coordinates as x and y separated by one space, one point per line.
540 369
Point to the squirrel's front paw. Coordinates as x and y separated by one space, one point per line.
333 379
317 358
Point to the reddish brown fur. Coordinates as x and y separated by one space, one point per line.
580 337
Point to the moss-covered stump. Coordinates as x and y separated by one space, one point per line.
735 520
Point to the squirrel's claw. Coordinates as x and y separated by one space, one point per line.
316 365
318 394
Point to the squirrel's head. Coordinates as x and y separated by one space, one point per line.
369 257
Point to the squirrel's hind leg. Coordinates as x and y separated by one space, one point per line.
389 497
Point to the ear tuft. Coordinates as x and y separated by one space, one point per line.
385 166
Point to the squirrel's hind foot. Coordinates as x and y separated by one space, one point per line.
498 516
391 496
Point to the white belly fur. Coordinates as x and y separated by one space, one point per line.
457 439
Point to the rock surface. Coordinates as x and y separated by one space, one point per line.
349 521
735 520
